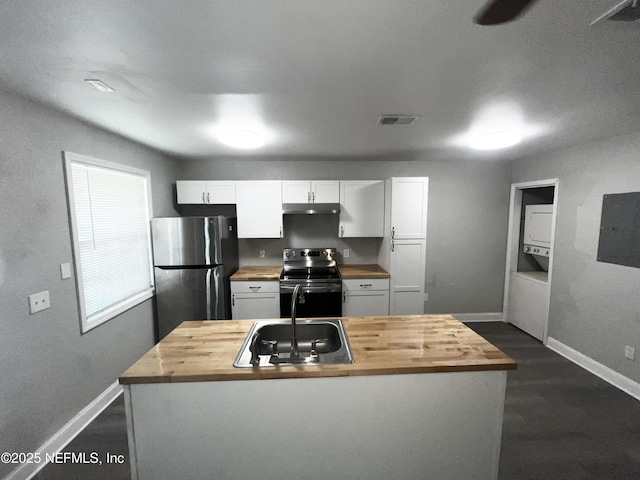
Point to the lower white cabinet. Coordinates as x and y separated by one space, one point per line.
251 300
365 297
407 262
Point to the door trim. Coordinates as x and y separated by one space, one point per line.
513 239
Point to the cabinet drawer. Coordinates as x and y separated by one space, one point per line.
362 284
255 287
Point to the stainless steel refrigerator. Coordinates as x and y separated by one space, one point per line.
194 258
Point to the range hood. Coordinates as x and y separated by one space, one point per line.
310 208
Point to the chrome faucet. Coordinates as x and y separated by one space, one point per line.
298 296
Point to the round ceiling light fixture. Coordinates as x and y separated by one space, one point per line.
495 140
241 138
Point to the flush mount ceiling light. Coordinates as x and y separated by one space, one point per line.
241 138
495 140
99 85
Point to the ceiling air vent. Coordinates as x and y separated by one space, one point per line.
397 119
627 11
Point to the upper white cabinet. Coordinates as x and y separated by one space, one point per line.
259 209
408 207
361 208
314 191
206 192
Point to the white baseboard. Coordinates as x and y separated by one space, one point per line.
479 317
62 437
608 375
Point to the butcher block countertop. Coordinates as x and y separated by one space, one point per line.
203 351
271 272
257 274
348 272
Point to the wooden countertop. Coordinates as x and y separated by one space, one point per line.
205 351
256 274
272 272
362 271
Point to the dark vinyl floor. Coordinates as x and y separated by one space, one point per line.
560 422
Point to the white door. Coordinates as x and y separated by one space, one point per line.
255 305
296 191
191 191
409 207
221 192
325 191
361 208
259 209
372 303
407 278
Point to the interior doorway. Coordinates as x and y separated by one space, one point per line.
530 252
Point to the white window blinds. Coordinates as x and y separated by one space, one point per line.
110 212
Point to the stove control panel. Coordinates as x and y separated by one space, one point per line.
308 254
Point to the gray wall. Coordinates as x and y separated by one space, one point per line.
467 224
48 370
595 307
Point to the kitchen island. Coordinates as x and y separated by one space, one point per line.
423 399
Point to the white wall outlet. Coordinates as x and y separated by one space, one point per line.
261 253
39 302
346 253
629 352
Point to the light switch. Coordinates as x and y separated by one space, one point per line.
65 270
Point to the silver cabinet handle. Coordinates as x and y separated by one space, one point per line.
313 196
393 246
255 289
208 199
365 285
344 297
393 232
233 300
342 230
203 198
308 197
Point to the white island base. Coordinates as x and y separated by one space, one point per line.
438 426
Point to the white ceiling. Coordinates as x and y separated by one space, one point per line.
315 75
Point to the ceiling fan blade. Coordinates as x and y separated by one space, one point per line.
501 11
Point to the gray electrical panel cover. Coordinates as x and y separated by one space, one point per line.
620 229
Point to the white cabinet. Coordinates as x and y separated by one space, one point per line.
365 297
314 191
259 209
403 248
206 192
407 269
408 207
255 300
361 208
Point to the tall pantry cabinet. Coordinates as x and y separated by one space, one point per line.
402 252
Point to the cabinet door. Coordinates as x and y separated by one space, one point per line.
365 303
221 192
361 208
407 277
325 191
259 209
296 191
191 191
409 207
255 305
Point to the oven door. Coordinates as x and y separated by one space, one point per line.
320 300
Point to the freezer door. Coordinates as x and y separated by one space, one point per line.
186 241
190 294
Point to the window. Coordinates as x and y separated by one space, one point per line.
109 209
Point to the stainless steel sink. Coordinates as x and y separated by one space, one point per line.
320 342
